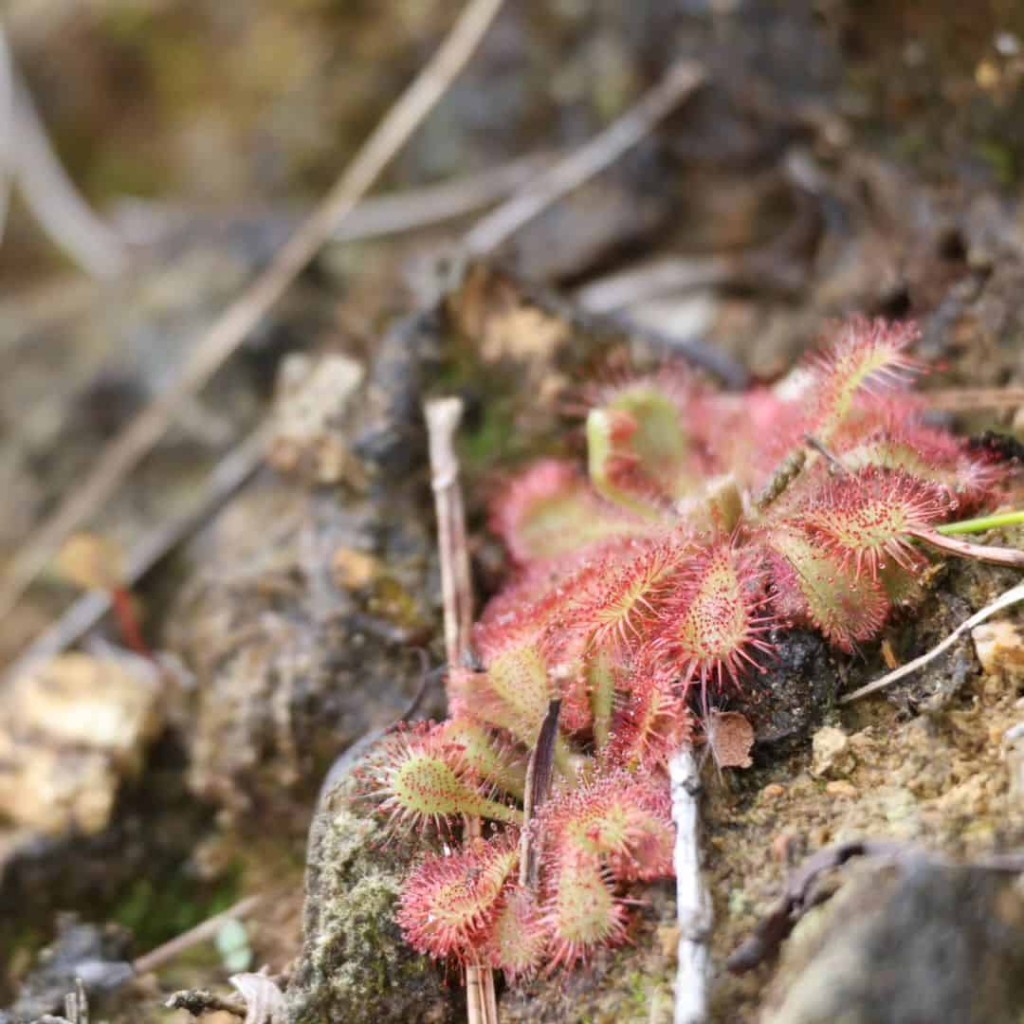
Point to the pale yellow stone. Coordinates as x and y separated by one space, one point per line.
842 788
70 729
1000 647
831 753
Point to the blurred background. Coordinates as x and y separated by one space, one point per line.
840 156
232 106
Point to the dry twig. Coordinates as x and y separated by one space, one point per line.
232 328
203 932
1005 600
679 83
970 399
200 1001
693 904
442 416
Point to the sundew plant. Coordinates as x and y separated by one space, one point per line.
660 574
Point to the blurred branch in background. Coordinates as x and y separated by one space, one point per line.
147 222
28 162
231 329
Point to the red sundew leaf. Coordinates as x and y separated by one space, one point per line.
517 940
491 757
551 511
607 612
925 454
581 912
713 625
639 453
620 606
620 816
651 719
812 584
572 679
869 516
748 435
903 589
448 902
423 778
528 601
869 356
512 693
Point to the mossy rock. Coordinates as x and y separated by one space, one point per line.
355 965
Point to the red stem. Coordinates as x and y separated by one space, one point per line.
128 621
965 549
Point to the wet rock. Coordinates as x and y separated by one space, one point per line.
293 664
296 658
913 943
1013 750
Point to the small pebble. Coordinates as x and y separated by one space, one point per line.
353 569
1000 647
784 848
831 753
842 788
773 791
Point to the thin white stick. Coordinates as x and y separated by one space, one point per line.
1005 600
693 904
680 82
443 416
128 449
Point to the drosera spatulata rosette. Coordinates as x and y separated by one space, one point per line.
702 524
